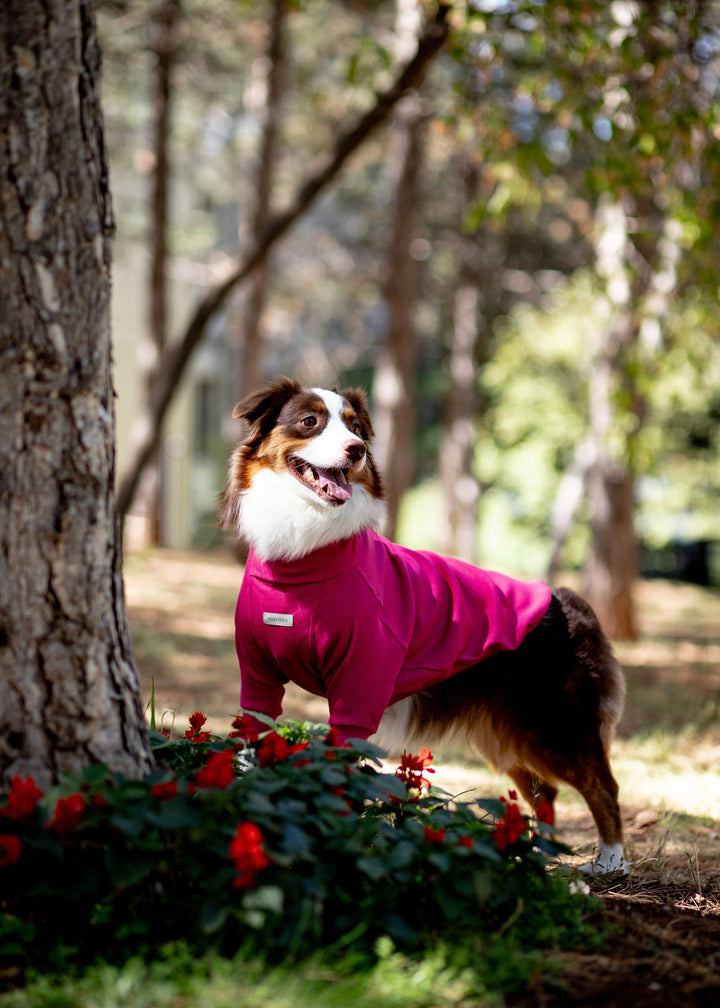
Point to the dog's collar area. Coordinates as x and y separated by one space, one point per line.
322 564
330 485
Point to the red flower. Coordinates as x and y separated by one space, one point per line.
334 740
197 720
22 799
164 789
300 747
273 749
431 835
411 770
510 828
69 814
465 841
544 813
218 772
245 728
247 854
10 848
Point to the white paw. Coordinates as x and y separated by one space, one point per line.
610 858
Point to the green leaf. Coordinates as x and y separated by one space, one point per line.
333 775
127 867
373 867
213 916
270 898
401 855
174 814
129 826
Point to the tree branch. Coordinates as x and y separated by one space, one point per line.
172 362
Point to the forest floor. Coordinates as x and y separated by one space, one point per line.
665 948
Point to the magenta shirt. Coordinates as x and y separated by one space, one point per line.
365 622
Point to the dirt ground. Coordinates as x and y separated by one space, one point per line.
665 949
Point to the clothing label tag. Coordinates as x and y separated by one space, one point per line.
277 619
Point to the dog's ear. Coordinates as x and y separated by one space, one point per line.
358 400
267 400
261 410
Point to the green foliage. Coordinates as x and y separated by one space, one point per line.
473 972
281 848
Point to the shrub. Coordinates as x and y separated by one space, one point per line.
283 844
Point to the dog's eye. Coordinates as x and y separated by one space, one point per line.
356 427
309 421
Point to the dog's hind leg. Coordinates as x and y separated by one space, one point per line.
594 780
534 790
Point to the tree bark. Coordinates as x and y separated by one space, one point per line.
612 567
394 383
395 371
249 338
467 347
638 315
164 45
174 360
69 692
613 564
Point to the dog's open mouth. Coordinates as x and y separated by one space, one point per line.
330 485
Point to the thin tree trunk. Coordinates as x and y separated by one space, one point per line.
395 372
613 563
461 488
639 300
163 25
249 338
460 485
174 360
394 383
612 567
69 691
571 490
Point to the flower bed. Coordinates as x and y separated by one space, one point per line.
287 841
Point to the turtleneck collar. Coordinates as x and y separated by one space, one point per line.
322 564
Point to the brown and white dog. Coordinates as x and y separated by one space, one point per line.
544 711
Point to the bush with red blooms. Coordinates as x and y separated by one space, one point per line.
247 854
511 827
279 835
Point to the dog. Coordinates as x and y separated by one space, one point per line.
407 646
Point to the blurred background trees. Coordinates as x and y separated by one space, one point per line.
517 254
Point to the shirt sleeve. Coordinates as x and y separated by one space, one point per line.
261 689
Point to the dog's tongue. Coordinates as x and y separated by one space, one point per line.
335 491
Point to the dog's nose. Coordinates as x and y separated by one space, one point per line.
354 450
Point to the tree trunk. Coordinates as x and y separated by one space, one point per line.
613 564
163 26
612 568
69 691
394 384
466 348
461 488
249 336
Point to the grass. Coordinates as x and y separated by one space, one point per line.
176 980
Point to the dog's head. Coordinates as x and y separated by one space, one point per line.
306 456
